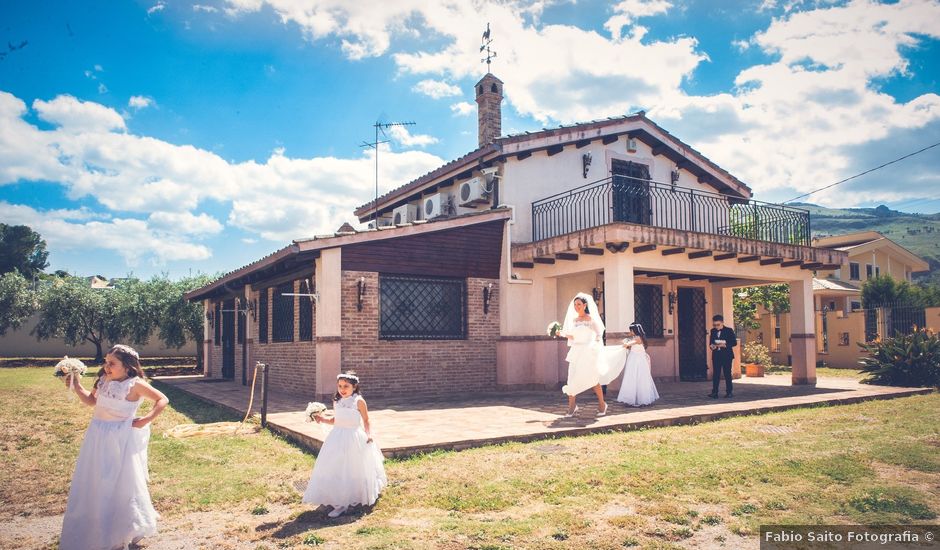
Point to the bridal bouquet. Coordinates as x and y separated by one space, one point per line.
314 409
70 366
553 329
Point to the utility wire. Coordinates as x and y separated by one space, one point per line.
899 159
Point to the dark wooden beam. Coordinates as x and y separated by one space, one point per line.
744 259
791 263
677 276
650 273
617 247
555 149
830 266
644 248
607 140
698 277
592 251
570 256
718 279
544 260
770 261
523 265
671 251
523 155
659 150
582 144
704 178
728 256
700 254
811 265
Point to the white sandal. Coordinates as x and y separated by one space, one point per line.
603 412
572 413
337 511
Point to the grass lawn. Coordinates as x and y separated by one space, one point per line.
707 485
821 371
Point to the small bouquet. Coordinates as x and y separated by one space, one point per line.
553 329
314 409
629 341
73 367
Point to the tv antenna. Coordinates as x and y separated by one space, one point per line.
485 46
380 127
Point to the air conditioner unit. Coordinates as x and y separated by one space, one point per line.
473 192
384 221
436 205
404 214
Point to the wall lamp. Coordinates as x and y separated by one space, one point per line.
585 164
487 292
672 302
210 317
360 292
597 294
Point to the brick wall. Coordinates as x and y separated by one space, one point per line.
424 367
291 365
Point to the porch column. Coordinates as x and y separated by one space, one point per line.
205 343
328 310
802 332
618 294
723 304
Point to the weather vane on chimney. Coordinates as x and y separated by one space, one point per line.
485 46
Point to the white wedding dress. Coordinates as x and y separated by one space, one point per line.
590 362
348 470
637 388
109 504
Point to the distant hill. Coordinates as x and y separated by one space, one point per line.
919 233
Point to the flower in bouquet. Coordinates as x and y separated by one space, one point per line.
70 366
553 329
314 409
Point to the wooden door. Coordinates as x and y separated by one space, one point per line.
693 334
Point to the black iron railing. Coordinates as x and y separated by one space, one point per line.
645 202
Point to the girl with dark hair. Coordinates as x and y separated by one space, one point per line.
349 469
109 503
638 387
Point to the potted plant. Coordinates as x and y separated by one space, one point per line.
755 357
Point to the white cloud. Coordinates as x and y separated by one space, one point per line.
74 115
135 240
158 7
436 89
204 8
406 138
102 89
462 108
98 68
626 12
281 198
139 102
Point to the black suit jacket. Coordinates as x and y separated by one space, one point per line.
731 340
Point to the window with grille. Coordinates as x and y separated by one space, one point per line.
422 308
776 346
648 309
306 318
217 321
283 313
263 316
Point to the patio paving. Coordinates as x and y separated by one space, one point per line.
408 426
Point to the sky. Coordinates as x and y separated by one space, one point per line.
170 137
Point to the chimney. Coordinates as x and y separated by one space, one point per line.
489 92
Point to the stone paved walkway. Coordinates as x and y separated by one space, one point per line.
408 426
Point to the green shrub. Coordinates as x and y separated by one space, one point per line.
756 353
911 360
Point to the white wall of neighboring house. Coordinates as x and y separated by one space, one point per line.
20 343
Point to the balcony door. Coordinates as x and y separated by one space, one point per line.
631 192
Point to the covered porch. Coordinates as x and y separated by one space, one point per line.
670 280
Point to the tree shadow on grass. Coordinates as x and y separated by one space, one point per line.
198 410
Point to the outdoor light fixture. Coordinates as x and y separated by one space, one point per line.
487 291
672 302
597 294
674 176
361 291
250 307
210 316
585 164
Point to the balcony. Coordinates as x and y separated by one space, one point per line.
645 202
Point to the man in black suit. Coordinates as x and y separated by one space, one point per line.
721 340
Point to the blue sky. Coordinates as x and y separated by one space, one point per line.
176 137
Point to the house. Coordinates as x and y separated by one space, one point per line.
452 283
841 323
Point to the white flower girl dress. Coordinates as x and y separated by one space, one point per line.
348 470
109 504
637 388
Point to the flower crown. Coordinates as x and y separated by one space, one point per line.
348 376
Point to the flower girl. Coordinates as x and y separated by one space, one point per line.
637 388
109 503
349 469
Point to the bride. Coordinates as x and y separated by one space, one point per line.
590 364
